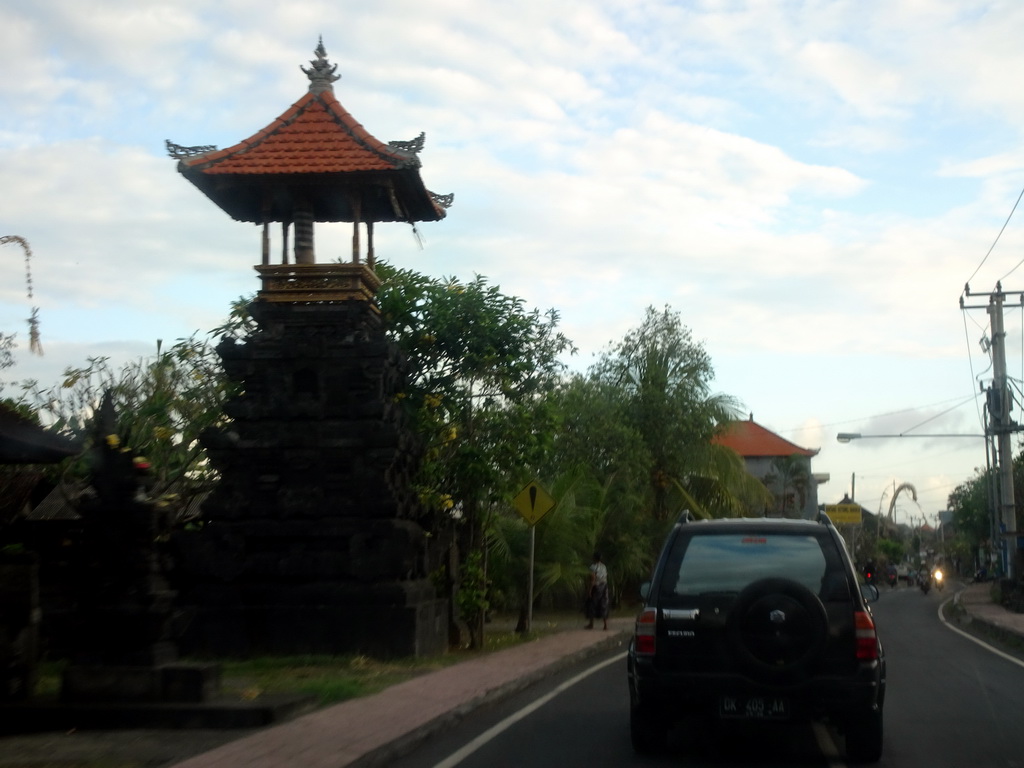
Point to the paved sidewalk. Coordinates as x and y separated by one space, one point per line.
372 731
976 600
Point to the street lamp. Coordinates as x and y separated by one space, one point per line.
846 437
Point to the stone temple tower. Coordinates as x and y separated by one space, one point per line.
312 543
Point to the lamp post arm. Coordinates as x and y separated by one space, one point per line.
846 437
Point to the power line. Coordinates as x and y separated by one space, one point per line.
997 240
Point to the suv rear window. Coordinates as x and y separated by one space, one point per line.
728 562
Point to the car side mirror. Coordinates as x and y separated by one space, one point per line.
645 589
869 592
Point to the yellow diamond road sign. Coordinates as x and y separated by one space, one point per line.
533 503
844 514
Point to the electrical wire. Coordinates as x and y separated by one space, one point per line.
970 360
997 240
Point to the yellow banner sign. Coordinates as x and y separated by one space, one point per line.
844 514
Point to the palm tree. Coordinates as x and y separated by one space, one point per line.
791 475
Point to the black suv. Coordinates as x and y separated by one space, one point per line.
757 620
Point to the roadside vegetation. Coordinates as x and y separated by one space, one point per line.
623 445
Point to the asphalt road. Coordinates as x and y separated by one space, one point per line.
950 703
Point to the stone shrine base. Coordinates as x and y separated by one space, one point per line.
178 682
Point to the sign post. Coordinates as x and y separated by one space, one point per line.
844 514
532 503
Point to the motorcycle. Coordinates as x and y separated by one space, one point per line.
924 582
939 579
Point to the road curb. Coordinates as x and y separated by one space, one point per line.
408 742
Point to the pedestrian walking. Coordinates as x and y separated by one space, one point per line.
597 592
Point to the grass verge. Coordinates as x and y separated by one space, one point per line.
332 679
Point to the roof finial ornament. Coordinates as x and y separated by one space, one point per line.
321 75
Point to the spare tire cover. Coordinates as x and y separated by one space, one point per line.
777 628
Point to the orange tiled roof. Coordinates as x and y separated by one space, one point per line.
750 440
314 158
316 135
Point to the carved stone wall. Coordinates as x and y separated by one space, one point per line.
19 625
312 544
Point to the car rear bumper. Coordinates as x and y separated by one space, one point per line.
675 694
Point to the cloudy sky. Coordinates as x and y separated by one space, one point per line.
810 184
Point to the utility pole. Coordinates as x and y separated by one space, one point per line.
1000 426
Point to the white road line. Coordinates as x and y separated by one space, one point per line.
457 757
827 745
973 639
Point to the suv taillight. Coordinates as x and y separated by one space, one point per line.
867 639
646 627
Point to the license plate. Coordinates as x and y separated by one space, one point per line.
753 707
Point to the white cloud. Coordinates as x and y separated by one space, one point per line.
810 184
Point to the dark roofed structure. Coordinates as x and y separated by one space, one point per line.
314 163
22 441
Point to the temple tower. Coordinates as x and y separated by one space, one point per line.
313 543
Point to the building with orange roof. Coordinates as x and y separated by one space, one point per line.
784 467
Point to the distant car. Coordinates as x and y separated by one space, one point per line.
757 620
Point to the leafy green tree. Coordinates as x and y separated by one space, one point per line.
664 379
480 364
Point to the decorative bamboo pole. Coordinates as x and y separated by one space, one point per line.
34 344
